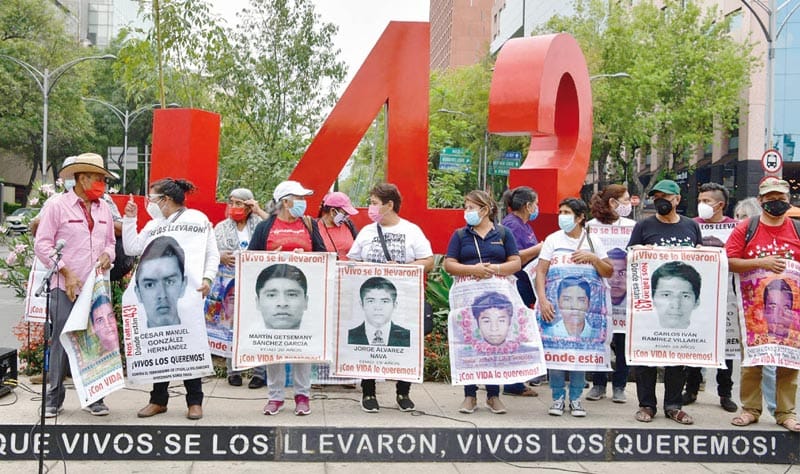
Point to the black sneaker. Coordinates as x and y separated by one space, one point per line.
405 403
256 382
370 404
727 404
689 398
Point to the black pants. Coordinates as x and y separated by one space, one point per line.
194 392
724 379
368 387
673 386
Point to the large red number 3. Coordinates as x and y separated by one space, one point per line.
540 87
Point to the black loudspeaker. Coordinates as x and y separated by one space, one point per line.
8 370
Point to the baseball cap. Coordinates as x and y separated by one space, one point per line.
241 193
772 184
666 186
290 188
340 200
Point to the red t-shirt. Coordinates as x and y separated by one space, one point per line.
779 240
289 236
337 239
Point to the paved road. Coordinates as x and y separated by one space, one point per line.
10 312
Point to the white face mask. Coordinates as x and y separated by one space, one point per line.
704 211
154 211
339 219
624 210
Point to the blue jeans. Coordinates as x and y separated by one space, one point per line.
620 377
557 383
491 391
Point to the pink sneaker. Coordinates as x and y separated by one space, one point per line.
301 405
273 407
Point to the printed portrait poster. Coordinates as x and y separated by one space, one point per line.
615 239
219 307
284 306
35 305
91 341
677 306
493 338
771 317
579 336
379 327
716 235
162 311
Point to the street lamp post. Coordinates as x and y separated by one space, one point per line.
46 80
126 118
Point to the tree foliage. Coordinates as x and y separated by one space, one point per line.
687 76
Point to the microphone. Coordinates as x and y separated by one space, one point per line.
59 246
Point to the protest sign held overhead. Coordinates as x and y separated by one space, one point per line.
379 321
676 306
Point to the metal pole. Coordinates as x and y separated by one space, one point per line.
770 75
46 98
125 154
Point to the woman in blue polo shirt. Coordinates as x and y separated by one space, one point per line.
474 251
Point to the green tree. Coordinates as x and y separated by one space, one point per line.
687 75
32 31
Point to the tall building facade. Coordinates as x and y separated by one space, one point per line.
96 22
732 159
460 32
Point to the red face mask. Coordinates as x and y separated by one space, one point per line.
96 191
238 214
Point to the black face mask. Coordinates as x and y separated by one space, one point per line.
663 207
776 208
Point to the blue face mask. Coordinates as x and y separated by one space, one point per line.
472 218
69 183
298 208
534 214
566 222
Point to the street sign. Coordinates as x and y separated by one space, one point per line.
508 160
635 200
455 159
772 162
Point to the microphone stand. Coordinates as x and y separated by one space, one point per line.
44 288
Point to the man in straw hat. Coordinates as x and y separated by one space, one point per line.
80 222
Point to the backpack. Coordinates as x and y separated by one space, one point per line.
752 225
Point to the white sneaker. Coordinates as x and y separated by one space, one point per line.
596 393
557 408
576 408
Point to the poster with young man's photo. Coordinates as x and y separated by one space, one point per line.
615 238
716 235
162 311
91 341
283 306
677 306
218 311
379 327
493 337
770 315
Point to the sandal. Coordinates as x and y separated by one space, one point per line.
645 414
744 418
791 424
680 416
527 392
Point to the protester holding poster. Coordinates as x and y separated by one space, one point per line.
572 309
482 250
715 227
522 204
665 229
389 239
610 224
233 235
287 229
165 332
81 225
766 258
